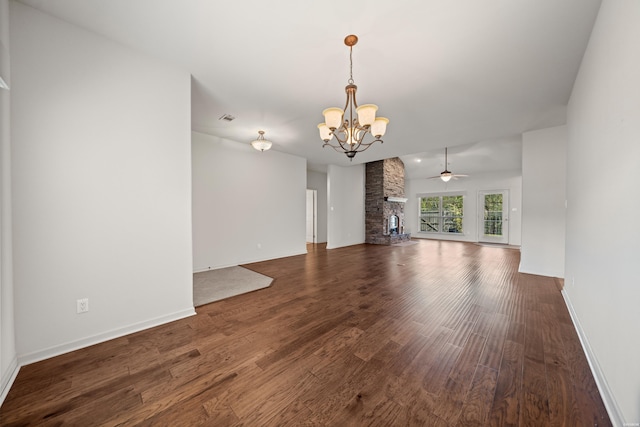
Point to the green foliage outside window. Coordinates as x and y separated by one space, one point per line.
493 214
441 214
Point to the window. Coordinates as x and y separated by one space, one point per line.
442 214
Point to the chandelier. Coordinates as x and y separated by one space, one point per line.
261 144
350 126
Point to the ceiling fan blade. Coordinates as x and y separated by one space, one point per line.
446 171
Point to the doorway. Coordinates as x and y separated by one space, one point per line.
493 216
312 216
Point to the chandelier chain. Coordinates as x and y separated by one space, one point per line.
350 65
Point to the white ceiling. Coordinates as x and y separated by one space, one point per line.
446 73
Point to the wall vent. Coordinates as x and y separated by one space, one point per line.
227 117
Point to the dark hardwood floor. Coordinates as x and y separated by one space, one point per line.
431 334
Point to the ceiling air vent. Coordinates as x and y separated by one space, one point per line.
227 117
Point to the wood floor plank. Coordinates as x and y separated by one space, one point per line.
507 402
100 412
449 404
563 408
477 405
435 379
535 403
591 408
483 324
437 334
407 380
492 353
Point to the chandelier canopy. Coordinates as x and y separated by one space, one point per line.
350 126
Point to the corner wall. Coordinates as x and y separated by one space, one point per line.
345 193
248 205
101 187
8 356
544 160
603 244
506 180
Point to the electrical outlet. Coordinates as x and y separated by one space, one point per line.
82 305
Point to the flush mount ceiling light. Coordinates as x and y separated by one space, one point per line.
261 144
348 129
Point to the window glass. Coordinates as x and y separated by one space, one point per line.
442 214
493 214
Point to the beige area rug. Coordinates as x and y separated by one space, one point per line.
214 285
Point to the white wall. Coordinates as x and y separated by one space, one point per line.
8 355
247 205
504 180
101 187
603 244
544 159
345 193
318 181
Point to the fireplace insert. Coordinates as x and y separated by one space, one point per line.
394 224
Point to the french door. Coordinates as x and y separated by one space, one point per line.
494 216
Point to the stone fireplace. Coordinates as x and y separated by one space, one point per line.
384 202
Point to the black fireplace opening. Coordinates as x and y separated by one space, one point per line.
394 224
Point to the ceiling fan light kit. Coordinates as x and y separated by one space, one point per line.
351 124
446 176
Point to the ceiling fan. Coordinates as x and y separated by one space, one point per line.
446 175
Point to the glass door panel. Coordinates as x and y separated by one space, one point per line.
494 210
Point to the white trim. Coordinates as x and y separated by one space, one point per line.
14 368
601 382
437 234
102 337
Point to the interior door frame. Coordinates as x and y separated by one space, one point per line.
483 238
312 214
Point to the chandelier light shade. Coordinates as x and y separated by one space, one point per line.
345 129
261 144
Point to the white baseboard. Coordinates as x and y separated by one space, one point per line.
57 350
8 378
250 261
605 392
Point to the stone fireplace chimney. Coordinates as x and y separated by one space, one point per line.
384 202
